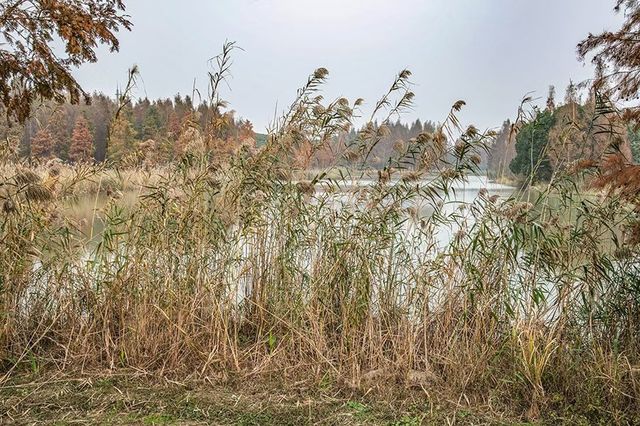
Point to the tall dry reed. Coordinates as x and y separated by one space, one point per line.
238 269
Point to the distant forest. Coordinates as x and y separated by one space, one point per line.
163 130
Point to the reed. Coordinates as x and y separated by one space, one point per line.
240 270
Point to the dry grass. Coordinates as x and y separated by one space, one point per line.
237 271
132 398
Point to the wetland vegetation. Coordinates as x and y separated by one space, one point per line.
152 254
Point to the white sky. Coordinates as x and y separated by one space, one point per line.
488 52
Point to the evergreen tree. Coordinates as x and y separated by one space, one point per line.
571 95
121 139
551 99
416 128
152 124
100 115
532 160
81 149
139 112
59 128
634 140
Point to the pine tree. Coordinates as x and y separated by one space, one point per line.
532 143
139 112
100 115
81 149
245 131
59 128
416 128
571 95
551 99
121 138
151 125
42 144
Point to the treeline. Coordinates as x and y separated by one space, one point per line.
561 137
395 137
392 140
158 131
162 130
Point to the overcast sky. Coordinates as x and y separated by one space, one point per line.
488 52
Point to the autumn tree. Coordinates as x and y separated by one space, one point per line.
59 128
121 139
617 59
584 132
173 125
42 144
615 54
10 134
81 149
32 64
245 131
191 139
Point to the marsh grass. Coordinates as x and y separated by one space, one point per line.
244 270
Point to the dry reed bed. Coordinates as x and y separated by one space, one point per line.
232 269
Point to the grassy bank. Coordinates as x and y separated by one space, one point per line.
132 398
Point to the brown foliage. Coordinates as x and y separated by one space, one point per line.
617 55
616 174
42 144
81 149
619 177
586 132
245 131
30 69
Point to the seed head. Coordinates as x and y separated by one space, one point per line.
8 206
